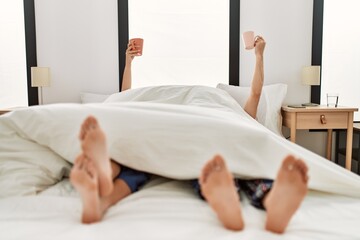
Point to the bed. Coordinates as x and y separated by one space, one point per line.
170 131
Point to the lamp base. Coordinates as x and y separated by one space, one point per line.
40 93
309 104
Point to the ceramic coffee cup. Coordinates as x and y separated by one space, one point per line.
139 44
249 40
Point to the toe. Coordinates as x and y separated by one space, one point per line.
92 122
205 172
288 162
91 169
87 123
303 166
82 131
81 163
219 162
77 160
209 166
303 169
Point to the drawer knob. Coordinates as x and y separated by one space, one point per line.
322 119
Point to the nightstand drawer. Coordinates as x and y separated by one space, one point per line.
325 120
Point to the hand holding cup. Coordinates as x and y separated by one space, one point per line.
134 48
137 44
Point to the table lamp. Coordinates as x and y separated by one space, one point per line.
310 77
40 77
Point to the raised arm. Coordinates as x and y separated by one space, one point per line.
131 52
258 79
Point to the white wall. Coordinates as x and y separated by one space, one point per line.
85 58
78 40
340 63
186 42
13 84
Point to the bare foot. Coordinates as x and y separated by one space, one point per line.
93 143
218 188
84 179
285 197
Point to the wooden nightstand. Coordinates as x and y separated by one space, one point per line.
321 117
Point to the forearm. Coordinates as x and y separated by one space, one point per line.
256 87
126 80
258 78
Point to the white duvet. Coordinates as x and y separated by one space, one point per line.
170 131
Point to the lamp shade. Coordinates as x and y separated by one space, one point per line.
40 76
311 75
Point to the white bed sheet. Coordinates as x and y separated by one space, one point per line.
168 209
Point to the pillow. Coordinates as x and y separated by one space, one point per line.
86 97
26 167
269 109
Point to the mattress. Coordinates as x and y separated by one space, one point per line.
168 209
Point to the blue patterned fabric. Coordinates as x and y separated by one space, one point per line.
133 178
255 189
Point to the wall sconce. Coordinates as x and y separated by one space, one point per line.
310 77
40 77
